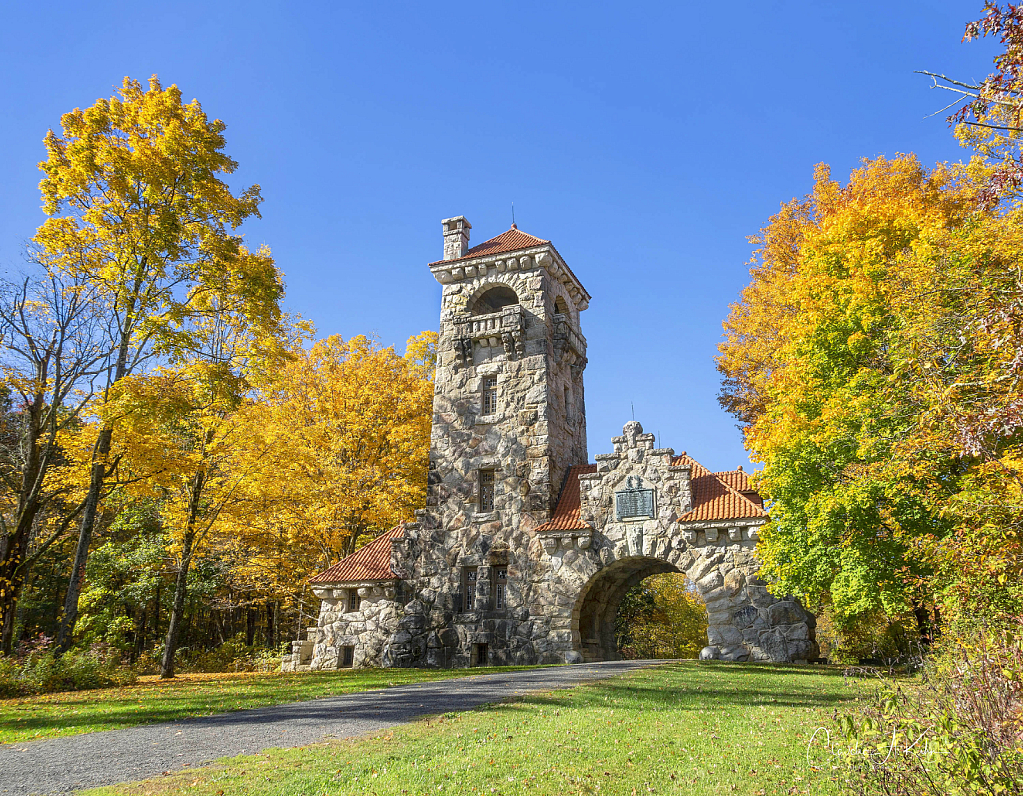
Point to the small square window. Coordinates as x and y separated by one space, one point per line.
490 395
353 600
347 657
486 490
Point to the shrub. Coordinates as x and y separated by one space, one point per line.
232 656
871 638
959 732
37 670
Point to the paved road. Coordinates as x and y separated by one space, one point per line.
61 765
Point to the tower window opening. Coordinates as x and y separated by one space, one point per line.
490 395
497 298
469 576
353 600
568 404
500 588
560 307
486 490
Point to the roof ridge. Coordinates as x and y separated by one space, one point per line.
517 245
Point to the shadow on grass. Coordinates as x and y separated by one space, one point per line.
232 700
369 696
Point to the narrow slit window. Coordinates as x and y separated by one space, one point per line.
490 395
486 490
568 404
500 588
469 575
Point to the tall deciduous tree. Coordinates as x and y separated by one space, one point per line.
52 352
817 367
137 209
185 419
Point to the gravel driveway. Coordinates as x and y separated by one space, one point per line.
61 765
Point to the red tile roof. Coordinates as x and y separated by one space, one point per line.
510 241
369 562
714 498
739 481
566 515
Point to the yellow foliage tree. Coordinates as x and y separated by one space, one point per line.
179 431
875 364
349 424
138 212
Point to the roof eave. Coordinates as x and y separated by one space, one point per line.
446 268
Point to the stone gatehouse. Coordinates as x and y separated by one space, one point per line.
524 550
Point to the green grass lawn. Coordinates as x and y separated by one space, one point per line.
153 700
690 728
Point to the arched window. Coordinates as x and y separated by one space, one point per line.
496 298
560 307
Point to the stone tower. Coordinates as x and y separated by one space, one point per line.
509 420
508 401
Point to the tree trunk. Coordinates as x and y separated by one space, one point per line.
250 626
156 612
14 546
177 608
923 624
69 616
181 581
12 576
140 636
269 625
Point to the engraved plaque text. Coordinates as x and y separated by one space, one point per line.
634 501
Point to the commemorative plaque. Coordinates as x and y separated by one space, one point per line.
634 501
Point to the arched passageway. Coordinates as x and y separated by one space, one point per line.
593 619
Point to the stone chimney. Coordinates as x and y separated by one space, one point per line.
456 237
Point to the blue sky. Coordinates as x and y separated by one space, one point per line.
646 140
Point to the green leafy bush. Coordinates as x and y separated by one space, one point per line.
960 732
232 656
39 671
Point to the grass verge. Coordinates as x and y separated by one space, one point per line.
152 700
691 728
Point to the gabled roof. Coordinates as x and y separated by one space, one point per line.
566 514
713 496
739 481
510 241
369 562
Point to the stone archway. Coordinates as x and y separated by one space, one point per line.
641 511
595 612
745 621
